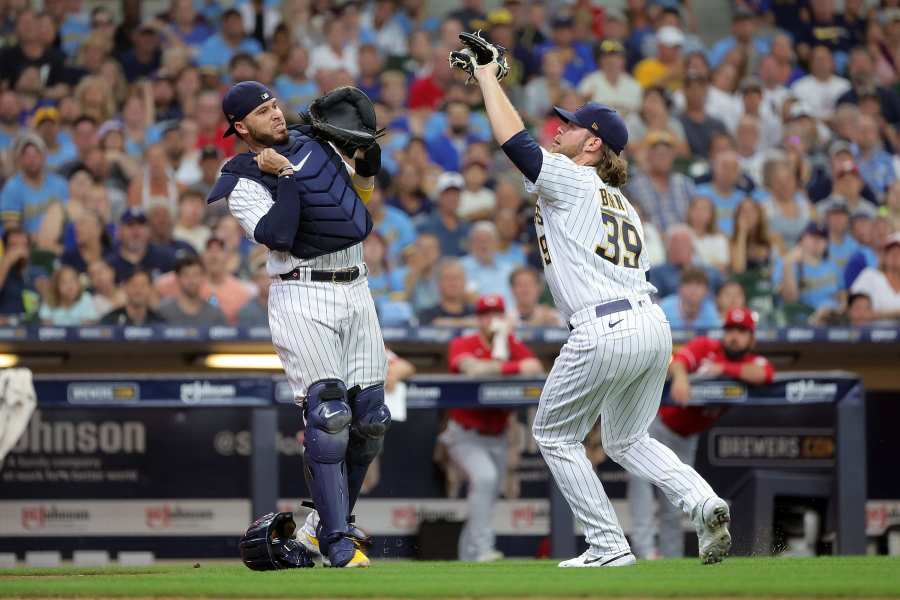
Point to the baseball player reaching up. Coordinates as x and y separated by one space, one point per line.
296 194
615 361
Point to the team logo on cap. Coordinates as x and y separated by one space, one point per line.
594 126
265 96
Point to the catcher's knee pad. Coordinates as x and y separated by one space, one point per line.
328 418
371 419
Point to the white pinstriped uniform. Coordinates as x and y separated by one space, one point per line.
612 367
320 330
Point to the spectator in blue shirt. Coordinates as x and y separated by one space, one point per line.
60 148
485 272
145 58
691 307
190 27
293 88
27 197
723 190
743 35
841 245
581 54
806 276
444 222
876 165
395 228
448 148
862 228
385 283
74 25
371 64
218 49
134 252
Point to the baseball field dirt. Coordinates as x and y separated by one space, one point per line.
845 577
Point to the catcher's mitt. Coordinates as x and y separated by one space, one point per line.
346 117
477 53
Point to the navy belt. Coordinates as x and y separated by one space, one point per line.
342 276
608 308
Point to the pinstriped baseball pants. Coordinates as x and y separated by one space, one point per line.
324 330
612 367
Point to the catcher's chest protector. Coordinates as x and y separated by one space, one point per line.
332 215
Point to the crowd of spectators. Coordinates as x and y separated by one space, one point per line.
763 163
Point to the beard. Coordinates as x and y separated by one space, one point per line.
267 139
734 355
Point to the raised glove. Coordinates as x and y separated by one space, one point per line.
477 53
345 116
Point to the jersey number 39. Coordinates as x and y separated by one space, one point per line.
623 243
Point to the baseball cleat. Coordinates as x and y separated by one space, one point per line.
588 559
344 553
307 534
490 556
711 523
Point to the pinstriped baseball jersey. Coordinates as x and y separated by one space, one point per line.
320 330
591 238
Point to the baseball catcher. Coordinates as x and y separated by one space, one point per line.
296 193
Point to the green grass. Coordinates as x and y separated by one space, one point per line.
849 577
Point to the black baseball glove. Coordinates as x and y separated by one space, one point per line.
345 116
477 53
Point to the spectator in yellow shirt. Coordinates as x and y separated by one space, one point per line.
667 68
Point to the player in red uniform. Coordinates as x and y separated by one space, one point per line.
476 438
679 427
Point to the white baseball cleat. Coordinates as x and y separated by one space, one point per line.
307 534
711 522
588 559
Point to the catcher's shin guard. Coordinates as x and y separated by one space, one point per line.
371 419
325 442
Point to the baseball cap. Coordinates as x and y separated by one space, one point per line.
892 240
601 120
659 136
108 126
741 318
839 146
499 16
45 113
837 204
133 214
696 75
449 180
562 21
889 15
490 303
241 99
669 36
610 46
742 12
29 139
751 84
799 110
815 229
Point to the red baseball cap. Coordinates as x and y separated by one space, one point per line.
742 318
490 303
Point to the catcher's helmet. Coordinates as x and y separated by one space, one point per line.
269 544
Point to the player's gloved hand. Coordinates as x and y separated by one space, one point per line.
479 57
368 162
269 161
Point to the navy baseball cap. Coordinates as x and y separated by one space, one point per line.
241 99
601 120
133 214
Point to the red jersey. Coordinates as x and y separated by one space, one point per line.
425 93
488 421
688 420
217 139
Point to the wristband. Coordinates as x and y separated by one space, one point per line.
286 171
